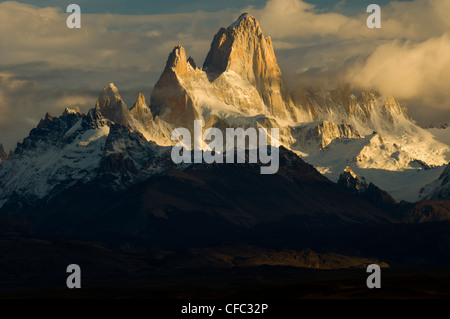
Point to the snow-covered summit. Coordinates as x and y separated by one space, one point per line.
109 95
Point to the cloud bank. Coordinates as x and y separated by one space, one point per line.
407 58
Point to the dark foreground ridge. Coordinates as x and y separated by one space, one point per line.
224 224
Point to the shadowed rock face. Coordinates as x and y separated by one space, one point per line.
193 206
428 211
369 192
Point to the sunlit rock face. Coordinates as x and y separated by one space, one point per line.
242 48
240 76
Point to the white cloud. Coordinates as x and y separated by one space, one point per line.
105 40
407 58
408 71
298 19
415 20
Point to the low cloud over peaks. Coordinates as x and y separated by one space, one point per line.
407 58
408 70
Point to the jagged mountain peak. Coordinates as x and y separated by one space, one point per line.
109 95
348 170
178 63
140 109
178 55
111 105
246 23
68 111
111 87
48 118
240 53
242 42
370 192
140 102
350 180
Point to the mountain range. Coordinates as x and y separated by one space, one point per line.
350 160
